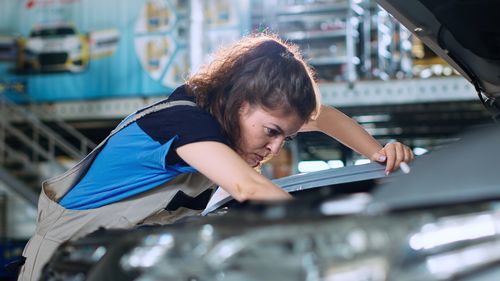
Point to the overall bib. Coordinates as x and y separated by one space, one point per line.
55 224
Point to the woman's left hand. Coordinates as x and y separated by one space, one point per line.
392 155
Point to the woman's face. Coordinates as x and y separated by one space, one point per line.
263 132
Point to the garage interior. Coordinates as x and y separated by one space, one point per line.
368 65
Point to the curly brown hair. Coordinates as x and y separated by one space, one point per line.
262 70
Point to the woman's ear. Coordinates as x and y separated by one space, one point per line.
244 108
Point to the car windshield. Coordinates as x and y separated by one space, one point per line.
53 32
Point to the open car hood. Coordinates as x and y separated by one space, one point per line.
465 33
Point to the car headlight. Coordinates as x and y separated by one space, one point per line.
73 45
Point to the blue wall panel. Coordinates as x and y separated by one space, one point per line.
122 73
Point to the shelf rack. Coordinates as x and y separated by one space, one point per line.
327 32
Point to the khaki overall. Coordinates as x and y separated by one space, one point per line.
56 224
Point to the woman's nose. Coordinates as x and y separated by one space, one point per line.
275 145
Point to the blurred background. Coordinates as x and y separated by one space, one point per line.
70 70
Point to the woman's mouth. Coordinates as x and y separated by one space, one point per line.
257 159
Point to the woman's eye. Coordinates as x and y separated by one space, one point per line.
272 132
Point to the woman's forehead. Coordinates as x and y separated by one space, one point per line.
287 120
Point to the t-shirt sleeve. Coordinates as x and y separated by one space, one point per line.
195 125
188 124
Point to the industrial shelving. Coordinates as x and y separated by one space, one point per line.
386 45
327 32
344 40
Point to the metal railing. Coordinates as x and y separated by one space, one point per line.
85 144
29 142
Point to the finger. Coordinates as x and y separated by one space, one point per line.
390 152
399 155
379 157
408 154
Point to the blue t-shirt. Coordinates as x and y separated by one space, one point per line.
142 155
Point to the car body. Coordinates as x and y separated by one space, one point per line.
439 222
57 47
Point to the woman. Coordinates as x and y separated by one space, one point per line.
162 162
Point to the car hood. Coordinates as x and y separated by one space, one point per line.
463 172
464 33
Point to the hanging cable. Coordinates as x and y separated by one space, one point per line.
490 104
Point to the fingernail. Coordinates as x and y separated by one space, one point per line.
387 173
381 158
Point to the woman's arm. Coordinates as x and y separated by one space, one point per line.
224 167
344 129
347 131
